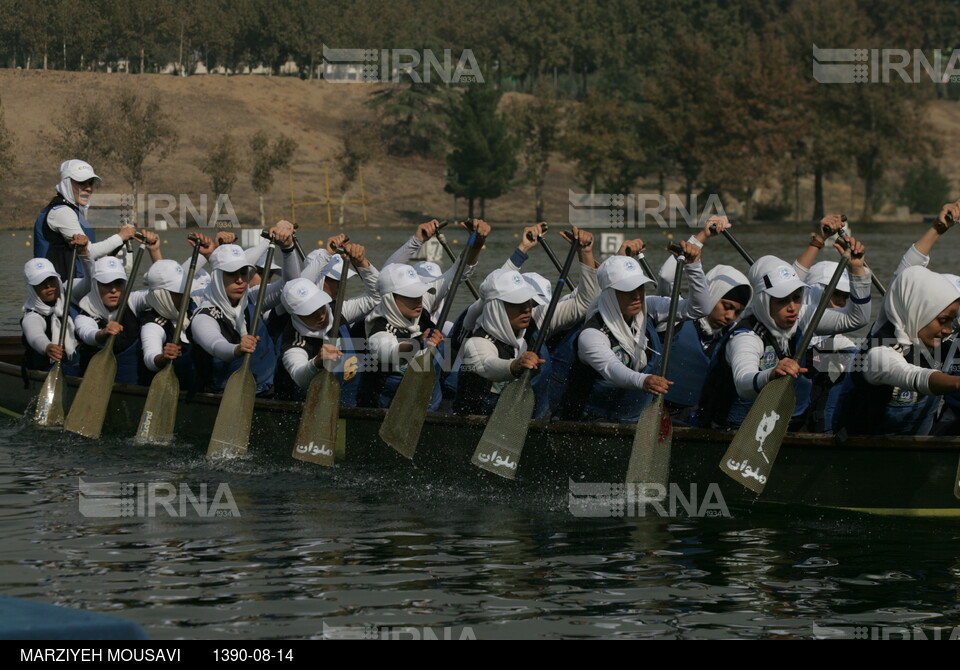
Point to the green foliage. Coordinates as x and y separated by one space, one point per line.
484 156
925 189
537 124
603 141
139 129
267 156
221 164
413 117
359 144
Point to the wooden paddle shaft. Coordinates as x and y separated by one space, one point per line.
672 318
341 294
68 295
555 298
185 297
736 245
446 247
457 276
647 270
822 307
554 260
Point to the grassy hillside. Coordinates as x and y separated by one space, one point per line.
398 191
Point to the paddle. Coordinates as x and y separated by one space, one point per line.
89 407
49 412
160 410
542 239
403 424
736 245
317 434
446 247
650 455
506 429
845 243
766 423
647 270
296 245
231 432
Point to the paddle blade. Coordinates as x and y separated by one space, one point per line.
506 431
956 484
49 411
160 410
650 456
231 432
753 450
317 435
404 421
89 407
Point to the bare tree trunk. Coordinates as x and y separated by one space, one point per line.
263 218
470 208
818 205
141 61
538 194
868 198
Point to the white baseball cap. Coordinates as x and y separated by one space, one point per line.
540 284
36 270
263 259
166 274
79 171
334 268
621 273
302 297
778 282
428 270
201 280
508 286
402 280
822 273
108 270
228 258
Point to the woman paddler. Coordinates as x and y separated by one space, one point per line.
613 376
220 328
97 319
303 349
762 345
45 314
64 217
166 286
894 386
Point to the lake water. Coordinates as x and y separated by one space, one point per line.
294 551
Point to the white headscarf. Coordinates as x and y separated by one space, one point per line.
632 337
494 321
93 305
215 295
35 304
387 308
65 188
916 297
164 278
721 280
760 305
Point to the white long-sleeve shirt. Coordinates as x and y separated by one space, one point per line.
593 347
87 327
205 330
65 221
745 351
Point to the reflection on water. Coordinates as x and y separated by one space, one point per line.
347 549
315 548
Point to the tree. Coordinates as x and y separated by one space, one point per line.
359 144
266 156
413 117
7 145
536 124
603 141
83 132
484 156
139 129
222 164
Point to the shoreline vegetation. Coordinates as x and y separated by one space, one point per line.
506 111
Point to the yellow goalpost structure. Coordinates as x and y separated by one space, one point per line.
327 201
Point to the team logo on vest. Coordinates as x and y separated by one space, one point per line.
768 359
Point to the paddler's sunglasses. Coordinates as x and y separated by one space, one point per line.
90 182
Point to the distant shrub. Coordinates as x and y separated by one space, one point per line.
925 189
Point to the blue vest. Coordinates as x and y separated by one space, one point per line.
551 383
183 367
866 409
214 373
345 370
126 348
49 244
476 394
689 364
378 385
38 360
721 405
592 398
